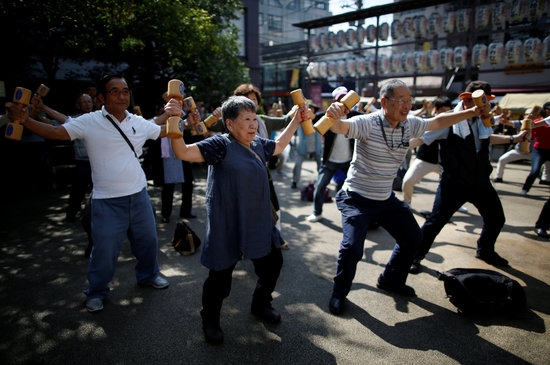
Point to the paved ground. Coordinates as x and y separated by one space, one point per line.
43 273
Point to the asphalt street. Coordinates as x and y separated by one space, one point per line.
43 273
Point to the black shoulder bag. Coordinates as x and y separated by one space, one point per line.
123 135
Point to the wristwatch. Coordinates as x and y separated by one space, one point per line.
511 139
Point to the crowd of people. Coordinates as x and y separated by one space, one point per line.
243 213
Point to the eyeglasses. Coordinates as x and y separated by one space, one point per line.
402 101
117 92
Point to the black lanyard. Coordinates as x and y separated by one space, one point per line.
402 143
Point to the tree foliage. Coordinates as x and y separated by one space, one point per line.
150 41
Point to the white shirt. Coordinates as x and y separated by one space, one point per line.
116 171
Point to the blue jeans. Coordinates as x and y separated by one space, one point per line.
538 157
357 214
326 172
113 220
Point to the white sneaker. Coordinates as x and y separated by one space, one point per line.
314 218
523 193
463 209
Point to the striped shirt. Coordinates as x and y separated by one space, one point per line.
379 150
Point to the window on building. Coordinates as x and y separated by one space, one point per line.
275 3
293 5
275 23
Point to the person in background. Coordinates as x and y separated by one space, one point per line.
464 154
121 208
307 146
542 225
240 221
82 181
540 153
337 154
382 141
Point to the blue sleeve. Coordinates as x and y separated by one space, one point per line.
430 136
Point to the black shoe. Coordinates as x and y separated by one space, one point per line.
493 259
212 334
268 314
542 233
544 182
497 179
293 186
336 305
165 220
415 267
404 290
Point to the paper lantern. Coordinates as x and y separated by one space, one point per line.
395 62
361 34
408 28
461 56
351 67
383 63
446 57
495 52
396 29
313 70
513 51
546 49
420 61
371 33
463 20
331 39
421 26
383 31
340 38
351 36
361 66
323 69
482 16
341 68
479 54
323 41
449 22
500 14
332 68
434 24
432 59
531 49
407 61
518 10
371 63
314 43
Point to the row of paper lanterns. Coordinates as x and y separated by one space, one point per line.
446 58
422 26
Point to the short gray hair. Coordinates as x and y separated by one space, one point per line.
389 87
234 105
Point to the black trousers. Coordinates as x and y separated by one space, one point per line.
218 285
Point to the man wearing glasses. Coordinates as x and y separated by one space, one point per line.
382 139
464 151
120 206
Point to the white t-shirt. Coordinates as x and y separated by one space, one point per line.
116 171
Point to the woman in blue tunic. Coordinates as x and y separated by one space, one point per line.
240 220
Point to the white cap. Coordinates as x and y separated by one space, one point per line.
339 92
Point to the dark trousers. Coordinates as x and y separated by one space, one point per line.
167 194
448 198
544 217
538 157
358 213
218 285
81 185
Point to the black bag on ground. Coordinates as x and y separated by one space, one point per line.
481 291
307 193
185 240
